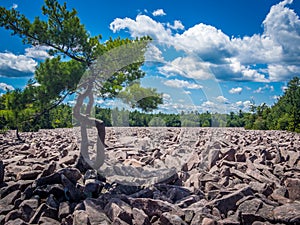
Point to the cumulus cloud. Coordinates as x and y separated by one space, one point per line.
154 54
37 52
12 65
189 67
182 84
159 12
5 87
221 99
229 58
237 90
176 26
141 26
265 87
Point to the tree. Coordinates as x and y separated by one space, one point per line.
285 113
92 66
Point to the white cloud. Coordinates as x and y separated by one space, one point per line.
153 54
239 103
14 6
228 58
237 90
5 87
141 26
37 52
159 12
258 90
176 26
221 99
12 65
265 87
182 84
188 67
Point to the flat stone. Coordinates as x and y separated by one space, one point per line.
10 198
117 208
293 188
1 171
28 175
16 222
171 219
80 217
48 221
140 217
288 213
95 213
228 202
64 210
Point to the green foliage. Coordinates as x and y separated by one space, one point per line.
283 115
145 98
109 66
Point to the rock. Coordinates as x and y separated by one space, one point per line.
1 172
28 175
27 208
171 219
52 201
208 221
155 207
229 155
80 217
48 221
213 156
288 213
92 187
12 215
49 170
43 211
9 199
16 222
71 192
117 208
228 202
64 210
95 213
192 162
140 217
293 188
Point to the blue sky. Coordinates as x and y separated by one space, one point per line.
212 55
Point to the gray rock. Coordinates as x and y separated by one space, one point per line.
228 202
1 172
27 208
9 199
140 217
80 217
16 222
287 213
95 213
48 221
64 210
12 215
28 175
171 219
293 188
117 208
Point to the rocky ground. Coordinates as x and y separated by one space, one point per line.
152 176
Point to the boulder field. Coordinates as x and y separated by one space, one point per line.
152 176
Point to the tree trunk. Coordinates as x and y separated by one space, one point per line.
84 162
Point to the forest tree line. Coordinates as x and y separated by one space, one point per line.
16 111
